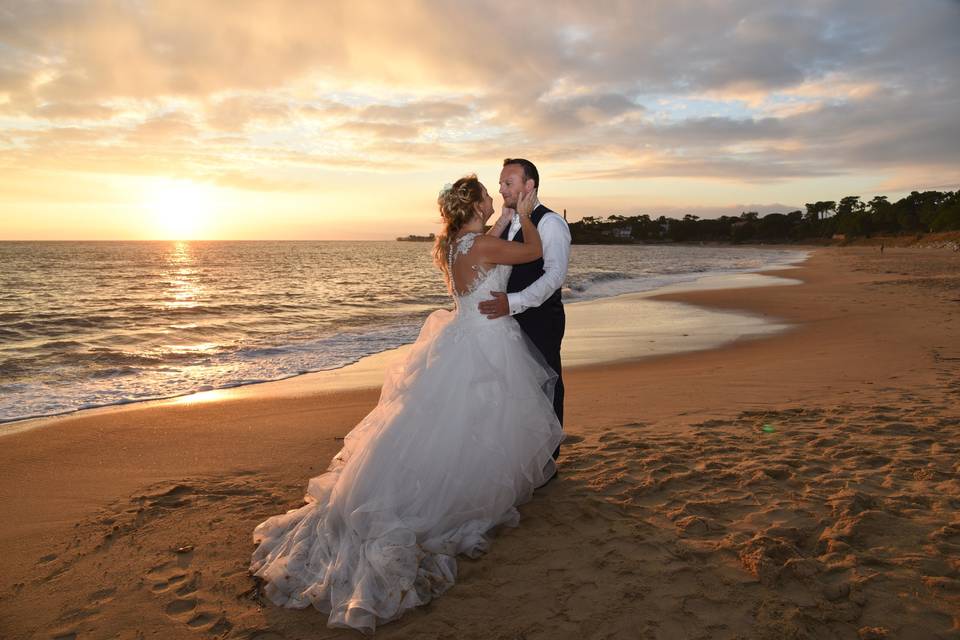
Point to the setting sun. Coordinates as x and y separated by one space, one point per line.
180 209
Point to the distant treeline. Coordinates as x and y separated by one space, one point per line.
849 218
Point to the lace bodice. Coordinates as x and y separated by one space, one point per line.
483 282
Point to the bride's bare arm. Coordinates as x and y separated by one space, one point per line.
506 216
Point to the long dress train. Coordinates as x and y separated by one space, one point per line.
463 432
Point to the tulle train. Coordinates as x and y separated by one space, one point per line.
462 434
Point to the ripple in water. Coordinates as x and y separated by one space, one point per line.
86 324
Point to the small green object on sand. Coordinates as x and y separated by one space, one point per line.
768 428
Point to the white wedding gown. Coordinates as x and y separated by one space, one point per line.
464 432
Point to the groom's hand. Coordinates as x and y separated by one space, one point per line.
496 308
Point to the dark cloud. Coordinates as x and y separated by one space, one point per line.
761 167
713 131
567 115
808 89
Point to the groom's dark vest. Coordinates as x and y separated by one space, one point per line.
544 324
523 275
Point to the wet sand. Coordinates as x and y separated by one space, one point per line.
800 485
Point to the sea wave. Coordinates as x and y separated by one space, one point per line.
175 319
104 377
605 284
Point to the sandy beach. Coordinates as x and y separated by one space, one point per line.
803 484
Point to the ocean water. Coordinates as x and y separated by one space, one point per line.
86 324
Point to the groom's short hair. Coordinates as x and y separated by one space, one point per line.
529 170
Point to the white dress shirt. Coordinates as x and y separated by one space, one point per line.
555 238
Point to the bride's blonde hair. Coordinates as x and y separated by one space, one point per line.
457 207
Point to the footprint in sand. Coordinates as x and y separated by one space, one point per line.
169 497
87 612
201 620
173 581
166 576
188 606
102 595
180 608
190 611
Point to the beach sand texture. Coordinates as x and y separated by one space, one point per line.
804 485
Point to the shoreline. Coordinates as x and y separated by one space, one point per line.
802 485
367 372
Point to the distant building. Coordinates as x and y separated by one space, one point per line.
415 238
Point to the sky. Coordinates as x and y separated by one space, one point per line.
342 120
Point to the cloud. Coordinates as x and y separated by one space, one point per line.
249 181
234 113
74 111
245 92
165 128
13 80
381 130
392 122
758 167
430 111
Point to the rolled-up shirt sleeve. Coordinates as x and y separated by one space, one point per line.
555 238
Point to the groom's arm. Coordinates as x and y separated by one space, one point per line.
555 237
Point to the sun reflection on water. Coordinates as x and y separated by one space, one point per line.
190 348
183 287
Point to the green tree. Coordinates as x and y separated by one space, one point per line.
849 205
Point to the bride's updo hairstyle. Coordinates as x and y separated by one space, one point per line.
457 207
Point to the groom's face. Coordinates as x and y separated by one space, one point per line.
512 185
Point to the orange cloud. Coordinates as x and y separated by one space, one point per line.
290 98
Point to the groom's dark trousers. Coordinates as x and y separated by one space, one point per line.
544 325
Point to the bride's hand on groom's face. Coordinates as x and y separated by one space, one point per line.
525 202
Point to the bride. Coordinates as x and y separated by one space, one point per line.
463 432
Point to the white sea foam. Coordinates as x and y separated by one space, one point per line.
175 318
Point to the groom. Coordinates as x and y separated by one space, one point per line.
533 291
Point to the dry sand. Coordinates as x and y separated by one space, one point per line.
804 485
